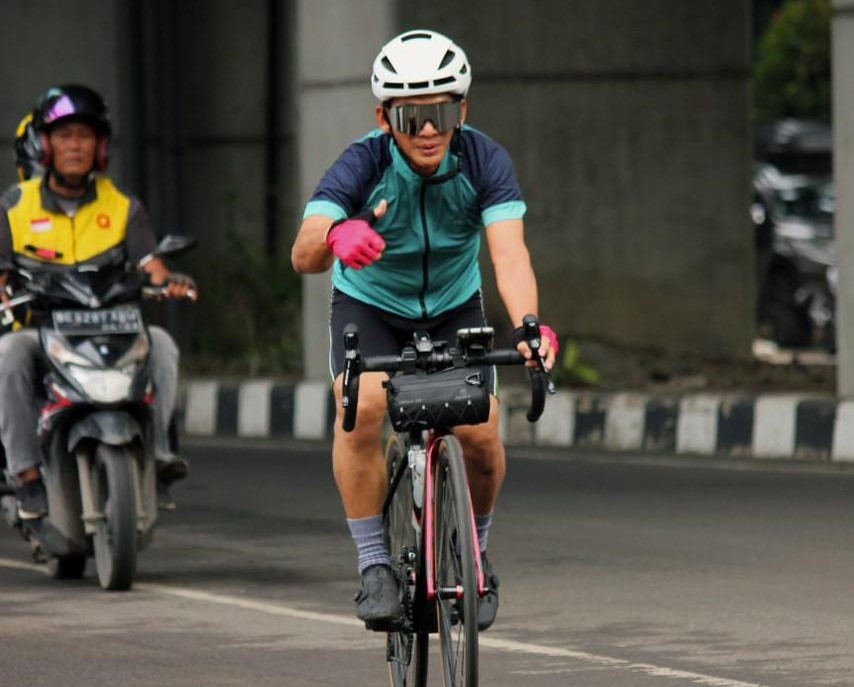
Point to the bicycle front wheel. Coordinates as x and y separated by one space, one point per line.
406 648
456 578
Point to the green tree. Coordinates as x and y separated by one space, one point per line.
247 320
791 73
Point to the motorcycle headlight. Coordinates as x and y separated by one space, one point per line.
59 351
103 386
136 353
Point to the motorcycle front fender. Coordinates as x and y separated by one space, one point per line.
111 427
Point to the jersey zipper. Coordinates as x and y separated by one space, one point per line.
425 260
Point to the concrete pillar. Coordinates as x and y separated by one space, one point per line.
843 174
337 43
628 126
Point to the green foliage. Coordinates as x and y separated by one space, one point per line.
791 74
571 370
247 319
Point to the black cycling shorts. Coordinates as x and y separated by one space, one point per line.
384 333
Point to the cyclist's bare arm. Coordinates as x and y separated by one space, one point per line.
514 275
310 254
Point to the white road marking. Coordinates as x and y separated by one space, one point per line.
18 565
495 643
249 604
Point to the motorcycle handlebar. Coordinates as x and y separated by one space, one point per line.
160 291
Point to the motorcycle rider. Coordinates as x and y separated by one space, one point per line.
28 166
70 215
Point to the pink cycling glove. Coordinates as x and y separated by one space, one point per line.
546 332
355 243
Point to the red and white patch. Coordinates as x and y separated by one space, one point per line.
41 224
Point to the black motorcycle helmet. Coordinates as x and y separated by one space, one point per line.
73 101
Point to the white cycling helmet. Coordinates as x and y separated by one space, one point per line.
420 62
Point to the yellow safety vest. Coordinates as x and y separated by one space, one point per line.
54 237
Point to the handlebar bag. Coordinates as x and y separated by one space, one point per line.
438 400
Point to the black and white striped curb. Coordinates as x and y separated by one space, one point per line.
793 426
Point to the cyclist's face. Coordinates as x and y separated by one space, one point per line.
425 149
73 145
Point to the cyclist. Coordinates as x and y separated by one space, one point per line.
76 213
430 185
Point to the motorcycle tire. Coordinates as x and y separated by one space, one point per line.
115 539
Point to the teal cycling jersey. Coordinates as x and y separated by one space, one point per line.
432 226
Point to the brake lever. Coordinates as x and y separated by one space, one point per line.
531 329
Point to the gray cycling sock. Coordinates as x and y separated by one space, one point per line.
367 533
482 523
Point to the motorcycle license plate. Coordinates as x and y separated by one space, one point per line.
125 320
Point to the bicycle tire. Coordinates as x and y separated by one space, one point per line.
407 646
456 577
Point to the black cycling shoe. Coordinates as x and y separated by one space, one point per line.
487 605
378 601
32 500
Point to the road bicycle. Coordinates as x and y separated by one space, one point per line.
428 517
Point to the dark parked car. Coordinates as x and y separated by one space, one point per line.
792 212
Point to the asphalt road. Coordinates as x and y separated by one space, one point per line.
617 573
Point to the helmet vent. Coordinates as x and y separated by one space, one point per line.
415 35
394 84
447 59
443 81
419 84
388 65
464 69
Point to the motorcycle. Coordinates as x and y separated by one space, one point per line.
95 424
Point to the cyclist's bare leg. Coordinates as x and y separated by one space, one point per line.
360 473
484 456
357 460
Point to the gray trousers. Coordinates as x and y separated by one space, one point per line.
19 387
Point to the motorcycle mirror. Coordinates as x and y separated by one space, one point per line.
174 244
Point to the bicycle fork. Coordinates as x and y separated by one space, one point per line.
423 493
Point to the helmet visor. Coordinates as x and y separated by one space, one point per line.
410 118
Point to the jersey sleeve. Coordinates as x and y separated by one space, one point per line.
491 172
345 187
139 236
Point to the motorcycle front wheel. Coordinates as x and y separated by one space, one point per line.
115 538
